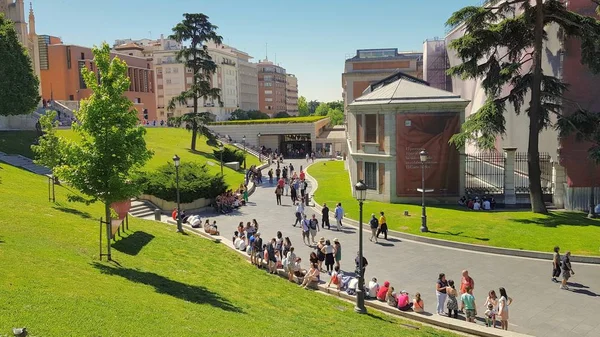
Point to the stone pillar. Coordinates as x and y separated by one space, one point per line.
559 178
510 195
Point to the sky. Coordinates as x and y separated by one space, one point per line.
310 38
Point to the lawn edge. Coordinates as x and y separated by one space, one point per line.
532 254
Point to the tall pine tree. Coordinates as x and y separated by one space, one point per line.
503 45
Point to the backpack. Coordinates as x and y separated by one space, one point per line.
313 224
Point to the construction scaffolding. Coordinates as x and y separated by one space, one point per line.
436 63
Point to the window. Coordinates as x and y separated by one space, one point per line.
189 80
188 70
167 70
267 84
159 71
371 175
82 56
81 81
268 92
168 81
371 128
268 99
68 57
175 70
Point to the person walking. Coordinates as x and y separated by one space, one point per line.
299 213
305 230
556 264
278 172
325 216
440 292
567 270
374 224
278 193
270 173
339 215
293 193
383 228
365 263
503 304
286 186
314 228
338 252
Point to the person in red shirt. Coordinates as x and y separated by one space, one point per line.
302 175
281 182
383 291
466 282
174 214
404 302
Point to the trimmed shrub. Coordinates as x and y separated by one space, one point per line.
230 155
291 120
195 182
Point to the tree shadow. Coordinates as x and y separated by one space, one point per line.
556 219
448 233
133 244
163 285
73 211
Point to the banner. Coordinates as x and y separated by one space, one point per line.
429 132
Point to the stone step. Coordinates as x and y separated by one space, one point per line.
143 214
136 207
138 213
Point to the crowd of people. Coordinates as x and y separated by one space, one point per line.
230 200
487 203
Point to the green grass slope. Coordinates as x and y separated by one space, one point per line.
164 284
517 229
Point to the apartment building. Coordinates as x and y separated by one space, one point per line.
371 65
291 95
63 80
247 81
272 81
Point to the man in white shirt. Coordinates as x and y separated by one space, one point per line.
240 244
339 215
476 206
373 288
486 205
299 213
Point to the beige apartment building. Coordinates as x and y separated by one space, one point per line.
271 88
291 95
371 65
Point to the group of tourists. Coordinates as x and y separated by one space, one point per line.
229 201
254 174
487 203
463 300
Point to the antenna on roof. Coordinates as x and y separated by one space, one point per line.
276 58
266 51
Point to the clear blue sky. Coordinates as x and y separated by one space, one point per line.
311 38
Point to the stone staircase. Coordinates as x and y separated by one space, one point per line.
24 163
142 209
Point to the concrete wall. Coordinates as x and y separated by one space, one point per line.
18 122
168 206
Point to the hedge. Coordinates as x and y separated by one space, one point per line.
291 120
195 182
230 155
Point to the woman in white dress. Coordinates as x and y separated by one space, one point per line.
503 304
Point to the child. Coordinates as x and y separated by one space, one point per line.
489 315
336 278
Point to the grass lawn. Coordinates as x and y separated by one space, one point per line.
166 142
517 229
164 284
17 142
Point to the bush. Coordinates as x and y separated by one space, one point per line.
194 183
290 120
230 155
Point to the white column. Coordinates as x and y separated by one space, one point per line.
510 196
559 178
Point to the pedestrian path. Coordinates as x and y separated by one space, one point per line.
539 307
24 163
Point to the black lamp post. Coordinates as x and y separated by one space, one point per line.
360 190
244 142
176 160
423 157
259 149
221 148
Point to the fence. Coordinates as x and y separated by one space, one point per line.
522 173
484 173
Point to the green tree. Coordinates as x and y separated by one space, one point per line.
322 109
336 116
18 83
312 106
504 48
282 114
302 107
48 150
196 122
255 114
112 147
239 115
336 105
193 32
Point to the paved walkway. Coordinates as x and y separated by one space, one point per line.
539 307
24 163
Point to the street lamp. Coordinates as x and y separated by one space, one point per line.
176 160
244 142
222 149
259 150
360 193
423 157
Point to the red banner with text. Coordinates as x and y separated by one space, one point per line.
429 132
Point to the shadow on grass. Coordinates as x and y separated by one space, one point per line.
556 219
205 154
448 233
163 285
73 211
133 244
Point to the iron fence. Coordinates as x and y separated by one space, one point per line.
522 173
484 173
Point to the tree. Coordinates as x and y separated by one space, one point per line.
302 107
255 114
112 147
239 115
312 106
282 114
336 105
504 48
322 110
18 83
48 150
196 122
336 116
194 31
